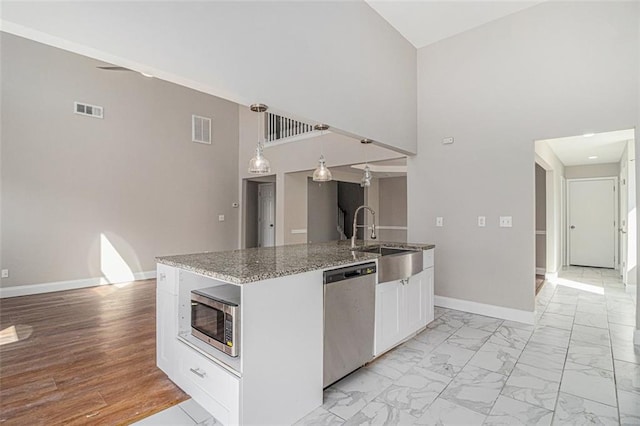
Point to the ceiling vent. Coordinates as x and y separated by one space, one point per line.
201 129
88 110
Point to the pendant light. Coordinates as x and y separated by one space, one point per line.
321 173
366 179
259 165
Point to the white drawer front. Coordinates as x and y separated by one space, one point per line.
219 384
427 260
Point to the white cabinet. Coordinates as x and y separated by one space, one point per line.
401 310
389 308
166 318
403 307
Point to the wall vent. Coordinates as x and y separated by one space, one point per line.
201 129
88 110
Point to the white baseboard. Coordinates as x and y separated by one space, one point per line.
636 337
541 271
25 290
488 310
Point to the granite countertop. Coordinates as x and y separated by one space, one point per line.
256 264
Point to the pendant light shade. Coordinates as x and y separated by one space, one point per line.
258 164
321 173
366 179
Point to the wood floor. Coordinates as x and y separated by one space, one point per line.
82 357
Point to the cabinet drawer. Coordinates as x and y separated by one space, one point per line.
212 379
427 259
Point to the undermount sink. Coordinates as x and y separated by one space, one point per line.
395 263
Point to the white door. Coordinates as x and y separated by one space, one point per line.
592 223
389 312
266 215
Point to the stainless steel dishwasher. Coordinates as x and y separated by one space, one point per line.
349 318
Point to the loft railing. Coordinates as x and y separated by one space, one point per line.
278 127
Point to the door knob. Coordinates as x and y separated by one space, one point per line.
573 227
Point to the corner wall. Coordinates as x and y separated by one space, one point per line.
556 69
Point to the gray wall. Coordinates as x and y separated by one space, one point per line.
134 176
322 211
556 69
393 208
334 62
350 197
541 217
592 171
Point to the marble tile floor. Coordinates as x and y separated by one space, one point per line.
577 365
187 413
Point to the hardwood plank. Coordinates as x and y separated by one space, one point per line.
83 356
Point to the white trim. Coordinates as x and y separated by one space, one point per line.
541 232
299 231
399 228
25 290
636 337
541 271
527 317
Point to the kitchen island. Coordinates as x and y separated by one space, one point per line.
277 377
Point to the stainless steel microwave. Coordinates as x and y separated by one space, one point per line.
215 317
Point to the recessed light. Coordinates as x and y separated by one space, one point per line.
593 157
588 135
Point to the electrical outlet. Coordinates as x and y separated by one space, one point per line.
5 273
439 221
482 221
506 222
220 218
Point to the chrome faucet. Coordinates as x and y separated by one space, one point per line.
373 224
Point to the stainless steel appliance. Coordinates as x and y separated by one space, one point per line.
215 317
349 319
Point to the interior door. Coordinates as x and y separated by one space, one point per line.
266 215
592 223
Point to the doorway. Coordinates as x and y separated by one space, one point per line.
591 208
259 212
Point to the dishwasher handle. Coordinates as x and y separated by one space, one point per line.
349 272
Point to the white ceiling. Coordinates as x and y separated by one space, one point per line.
576 150
423 22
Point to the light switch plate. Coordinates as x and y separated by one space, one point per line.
439 221
220 218
5 273
506 222
482 221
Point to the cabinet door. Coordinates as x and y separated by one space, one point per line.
389 323
415 295
428 276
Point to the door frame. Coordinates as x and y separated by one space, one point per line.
616 202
